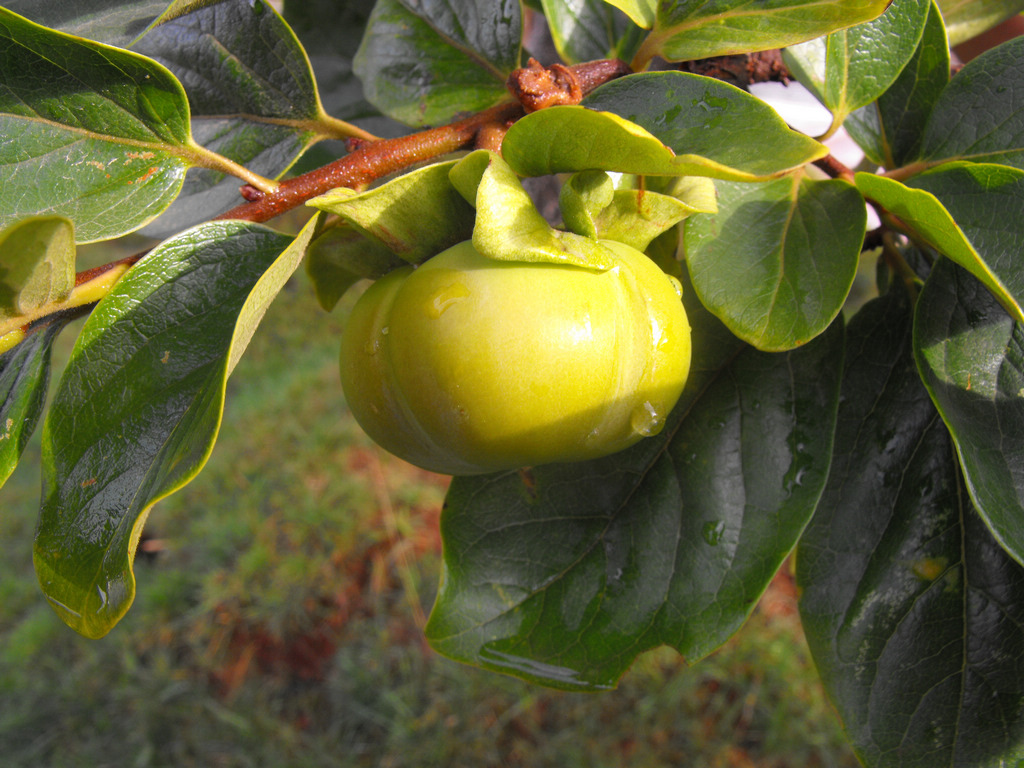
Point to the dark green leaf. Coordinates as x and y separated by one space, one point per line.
971 357
777 261
415 216
423 62
114 22
713 128
37 265
686 30
24 377
564 573
251 93
586 30
864 60
118 121
980 114
971 213
139 405
913 613
889 131
967 18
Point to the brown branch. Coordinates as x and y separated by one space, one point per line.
743 69
369 161
834 168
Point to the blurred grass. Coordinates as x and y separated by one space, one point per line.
279 614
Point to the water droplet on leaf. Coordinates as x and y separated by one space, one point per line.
712 532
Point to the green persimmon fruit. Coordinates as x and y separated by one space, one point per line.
467 364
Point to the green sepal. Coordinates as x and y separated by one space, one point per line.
508 225
341 257
415 216
592 206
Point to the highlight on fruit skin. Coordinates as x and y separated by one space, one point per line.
467 365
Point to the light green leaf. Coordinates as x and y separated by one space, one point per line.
980 114
777 261
963 211
864 60
509 226
685 30
806 62
967 18
423 62
95 134
37 265
661 124
587 30
642 12
971 357
137 410
890 130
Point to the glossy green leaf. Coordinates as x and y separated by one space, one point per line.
120 121
137 410
913 613
423 62
114 22
980 114
967 18
777 261
37 264
416 216
713 128
591 205
864 60
587 30
806 63
563 574
685 30
251 93
889 131
24 377
341 257
508 225
971 357
963 210
642 12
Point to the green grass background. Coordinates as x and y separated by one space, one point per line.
281 598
